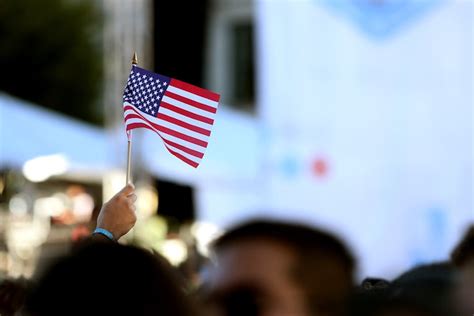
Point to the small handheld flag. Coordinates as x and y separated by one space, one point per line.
180 113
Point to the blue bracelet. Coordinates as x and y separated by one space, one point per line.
104 232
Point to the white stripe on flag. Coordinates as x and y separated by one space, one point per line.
183 142
184 118
179 151
181 130
190 157
193 96
175 127
164 135
187 107
139 120
173 148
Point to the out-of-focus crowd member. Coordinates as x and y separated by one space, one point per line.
12 296
463 259
426 290
102 277
117 217
105 278
270 268
259 268
369 297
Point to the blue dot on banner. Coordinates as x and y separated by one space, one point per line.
437 221
417 257
289 167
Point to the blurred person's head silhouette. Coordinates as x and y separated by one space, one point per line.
369 297
463 258
12 295
105 278
274 268
426 290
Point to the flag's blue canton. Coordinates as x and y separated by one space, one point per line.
145 90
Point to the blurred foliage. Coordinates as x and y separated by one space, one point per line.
50 54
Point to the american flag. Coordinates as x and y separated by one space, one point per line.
180 113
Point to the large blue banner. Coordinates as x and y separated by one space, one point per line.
367 111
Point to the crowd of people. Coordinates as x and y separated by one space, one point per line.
259 268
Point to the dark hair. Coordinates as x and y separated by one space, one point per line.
109 279
425 288
314 250
301 238
369 297
12 295
464 251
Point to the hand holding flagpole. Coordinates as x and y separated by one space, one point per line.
129 136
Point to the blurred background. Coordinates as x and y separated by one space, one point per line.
353 115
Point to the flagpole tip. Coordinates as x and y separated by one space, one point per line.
134 59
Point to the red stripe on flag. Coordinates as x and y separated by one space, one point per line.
196 90
168 130
130 116
186 160
139 125
176 154
182 136
186 113
190 102
185 149
191 127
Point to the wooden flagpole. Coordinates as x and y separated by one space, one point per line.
129 136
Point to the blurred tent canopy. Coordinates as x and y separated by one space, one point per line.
29 131
50 55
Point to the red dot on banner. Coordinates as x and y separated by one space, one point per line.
320 167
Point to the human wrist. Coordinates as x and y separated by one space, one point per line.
105 232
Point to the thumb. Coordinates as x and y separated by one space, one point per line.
127 190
